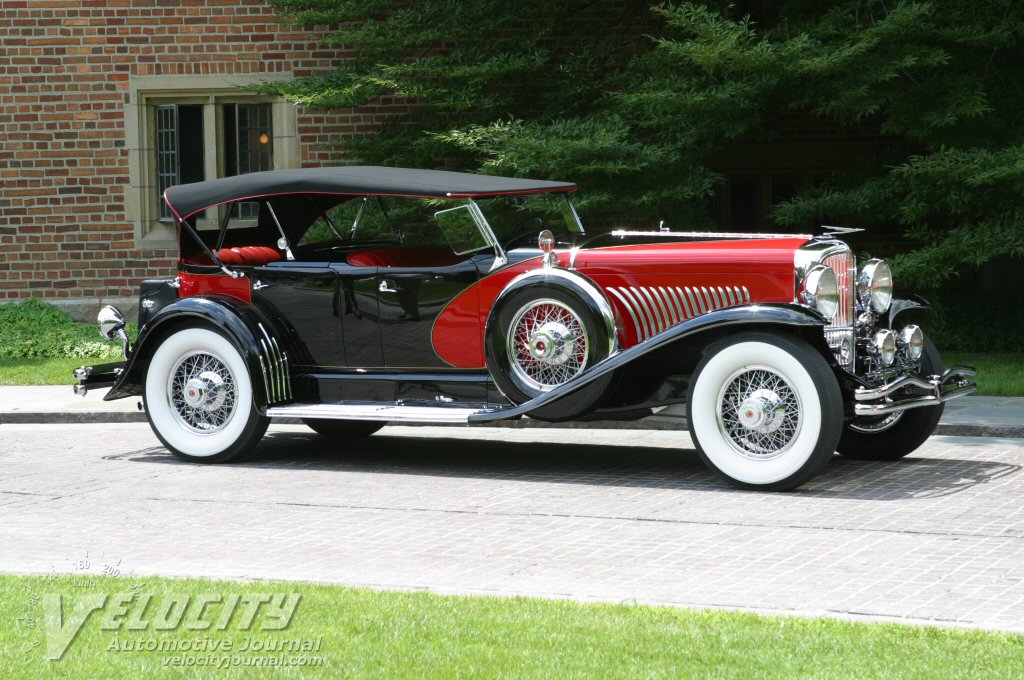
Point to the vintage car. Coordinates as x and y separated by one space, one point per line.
353 297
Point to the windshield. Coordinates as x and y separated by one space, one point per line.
511 216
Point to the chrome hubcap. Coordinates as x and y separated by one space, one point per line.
547 345
202 392
758 412
553 343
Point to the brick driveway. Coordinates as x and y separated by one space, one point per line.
618 515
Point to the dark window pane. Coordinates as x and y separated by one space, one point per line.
179 149
248 143
166 154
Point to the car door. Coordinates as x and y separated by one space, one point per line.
303 299
410 300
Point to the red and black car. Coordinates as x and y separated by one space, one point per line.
352 297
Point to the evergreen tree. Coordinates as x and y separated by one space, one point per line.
632 100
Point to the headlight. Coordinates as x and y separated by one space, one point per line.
912 341
821 291
874 286
884 347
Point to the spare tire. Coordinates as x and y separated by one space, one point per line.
540 337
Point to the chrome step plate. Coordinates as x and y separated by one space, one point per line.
379 412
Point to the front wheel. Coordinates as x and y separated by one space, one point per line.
765 411
893 436
199 397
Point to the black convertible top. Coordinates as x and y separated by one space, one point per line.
187 199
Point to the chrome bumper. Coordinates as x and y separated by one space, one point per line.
877 401
103 375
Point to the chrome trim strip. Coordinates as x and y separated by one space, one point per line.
379 412
708 302
708 234
661 307
629 308
651 308
645 311
690 311
266 378
714 293
695 300
670 292
673 308
655 309
276 372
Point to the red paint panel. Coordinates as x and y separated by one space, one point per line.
458 333
215 284
764 267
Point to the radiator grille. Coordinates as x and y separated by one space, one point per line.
840 331
654 309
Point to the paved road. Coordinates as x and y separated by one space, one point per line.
618 515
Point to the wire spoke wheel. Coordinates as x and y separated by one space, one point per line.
759 412
202 392
547 344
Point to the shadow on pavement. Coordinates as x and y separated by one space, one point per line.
602 464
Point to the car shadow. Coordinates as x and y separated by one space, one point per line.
602 464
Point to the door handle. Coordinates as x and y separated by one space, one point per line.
386 286
259 285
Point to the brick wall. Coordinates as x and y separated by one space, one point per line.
64 84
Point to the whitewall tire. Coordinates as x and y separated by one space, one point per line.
765 411
199 397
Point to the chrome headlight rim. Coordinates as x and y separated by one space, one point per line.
874 286
883 347
820 290
911 342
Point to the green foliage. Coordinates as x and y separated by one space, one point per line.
636 100
34 329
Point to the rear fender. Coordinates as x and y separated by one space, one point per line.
251 334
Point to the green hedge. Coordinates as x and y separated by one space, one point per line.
36 330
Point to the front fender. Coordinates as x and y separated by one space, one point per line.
906 302
733 318
240 322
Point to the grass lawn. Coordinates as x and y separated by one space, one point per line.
42 371
361 633
999 375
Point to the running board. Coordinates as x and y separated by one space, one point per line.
382 412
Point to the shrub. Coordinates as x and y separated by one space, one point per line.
34 329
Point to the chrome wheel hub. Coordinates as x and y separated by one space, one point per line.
547 345
763 411
206 391
201 391
553 343
758 412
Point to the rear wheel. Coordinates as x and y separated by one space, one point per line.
342 429
893 436
765 411
199 397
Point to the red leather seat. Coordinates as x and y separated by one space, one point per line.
406 256
248 256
